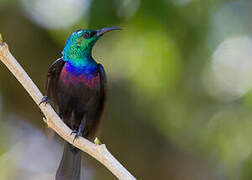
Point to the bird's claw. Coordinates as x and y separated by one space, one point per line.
73 132
77 134
45 100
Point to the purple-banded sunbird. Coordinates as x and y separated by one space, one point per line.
76 86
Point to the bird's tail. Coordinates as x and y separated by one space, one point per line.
70 164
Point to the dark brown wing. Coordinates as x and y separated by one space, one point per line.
100 103
103 82
52 79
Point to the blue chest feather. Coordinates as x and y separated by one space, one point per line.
89 70
88 76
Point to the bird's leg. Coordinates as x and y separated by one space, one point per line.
81 128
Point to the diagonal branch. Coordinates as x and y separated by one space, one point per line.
99 152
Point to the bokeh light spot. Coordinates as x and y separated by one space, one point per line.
127 8
54 14
229 75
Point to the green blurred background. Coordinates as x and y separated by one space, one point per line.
179 86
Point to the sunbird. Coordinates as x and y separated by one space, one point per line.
76 86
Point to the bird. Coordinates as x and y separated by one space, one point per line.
76 88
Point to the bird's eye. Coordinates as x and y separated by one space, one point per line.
86 35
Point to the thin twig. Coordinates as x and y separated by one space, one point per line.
99 152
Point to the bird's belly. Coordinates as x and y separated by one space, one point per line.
76 91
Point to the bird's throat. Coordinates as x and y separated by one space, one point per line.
87 67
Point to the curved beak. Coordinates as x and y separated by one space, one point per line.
100 32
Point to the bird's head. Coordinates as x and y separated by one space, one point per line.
80 43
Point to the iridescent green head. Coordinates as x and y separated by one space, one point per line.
79 45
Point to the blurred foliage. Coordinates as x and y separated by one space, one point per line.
162 121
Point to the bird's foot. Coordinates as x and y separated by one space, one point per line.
77 134
73 132
45 100
97 141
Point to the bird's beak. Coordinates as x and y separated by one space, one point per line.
100 32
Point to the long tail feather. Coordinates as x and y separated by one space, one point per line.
70 164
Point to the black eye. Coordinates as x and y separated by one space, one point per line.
86 35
